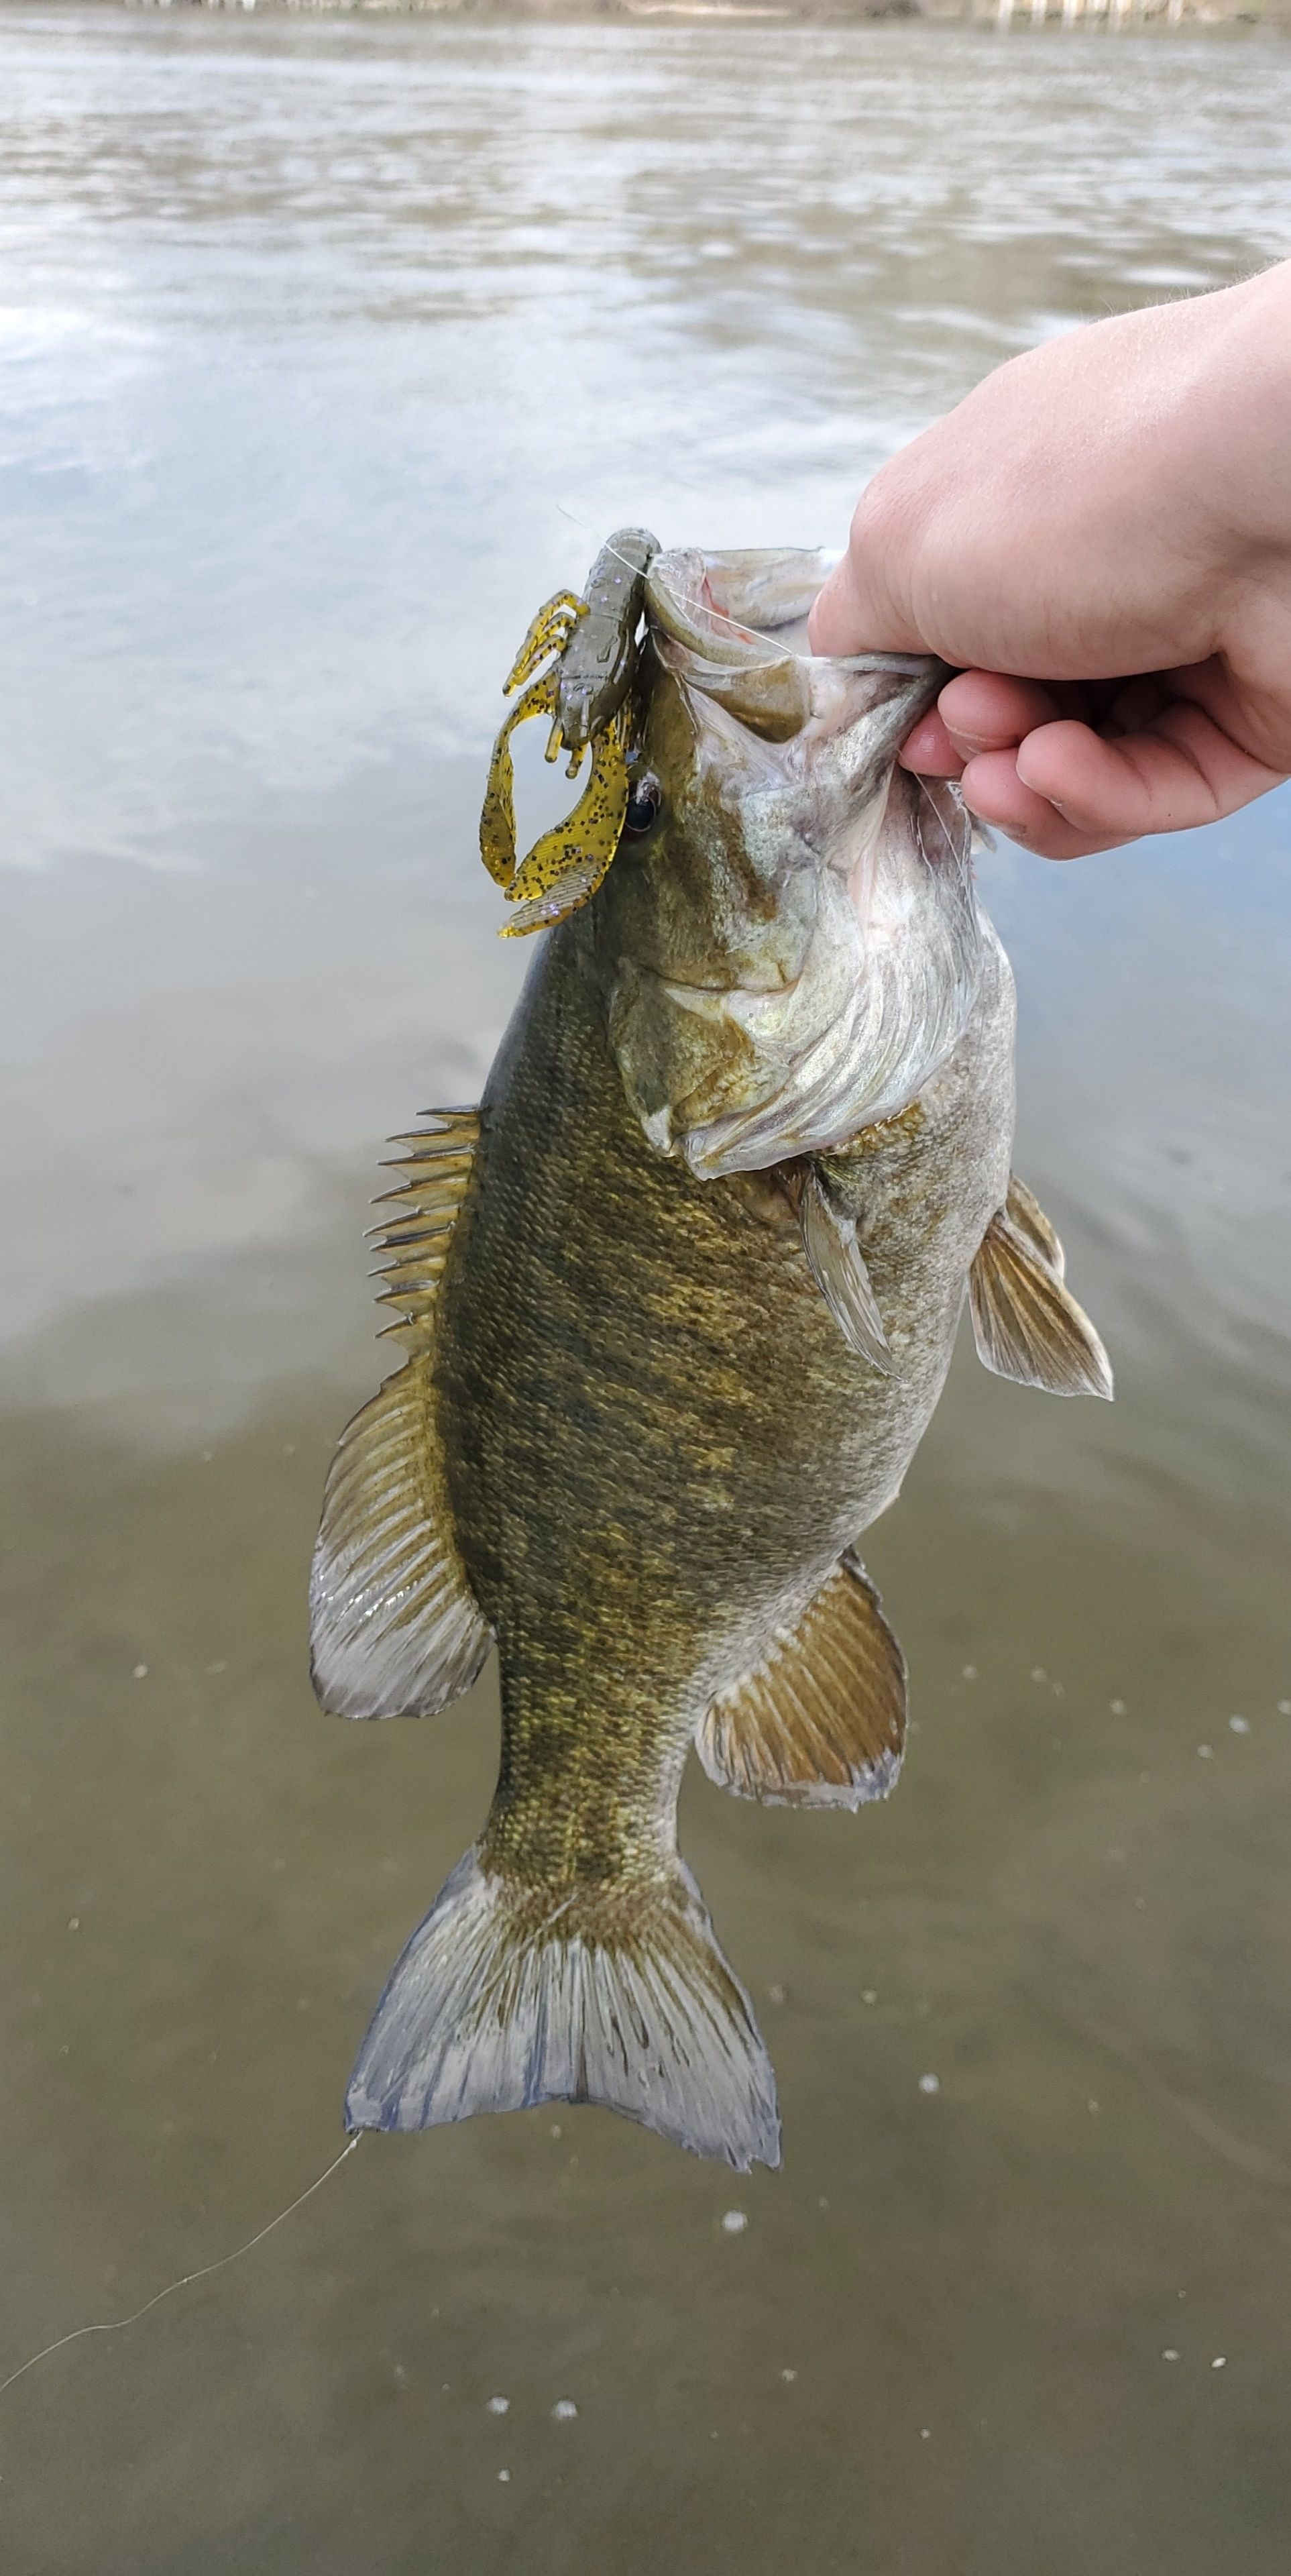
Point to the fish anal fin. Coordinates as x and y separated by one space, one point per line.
1026 1323
820 1722
394 1629
507 1996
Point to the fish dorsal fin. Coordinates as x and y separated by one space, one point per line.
393 1627
837 1265
425 1204
1026 1322
820 1722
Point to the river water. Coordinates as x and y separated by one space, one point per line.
330 346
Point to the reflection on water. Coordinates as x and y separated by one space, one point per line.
329 349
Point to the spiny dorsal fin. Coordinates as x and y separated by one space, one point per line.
837 1265
393 1627
435 1176
1026 1323
821 1721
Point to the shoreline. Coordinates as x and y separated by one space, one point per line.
1110 17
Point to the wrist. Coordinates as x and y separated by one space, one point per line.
1243 409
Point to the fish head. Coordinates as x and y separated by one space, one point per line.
787 942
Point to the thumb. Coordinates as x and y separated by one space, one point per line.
842 619
856 611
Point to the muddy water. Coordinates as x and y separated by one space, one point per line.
329 348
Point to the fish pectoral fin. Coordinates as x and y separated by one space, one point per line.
820 1722
1026 1323
837 1264
393 1627
508 1995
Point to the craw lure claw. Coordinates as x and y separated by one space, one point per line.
590 648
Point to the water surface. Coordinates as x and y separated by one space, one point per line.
329 348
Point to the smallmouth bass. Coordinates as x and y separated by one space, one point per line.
679 1300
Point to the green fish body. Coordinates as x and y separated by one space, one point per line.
672 1345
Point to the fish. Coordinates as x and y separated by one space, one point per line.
678 1297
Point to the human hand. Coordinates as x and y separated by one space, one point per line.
1101 536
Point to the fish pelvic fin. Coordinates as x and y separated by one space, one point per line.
821 1721
394 1629
1026 1323
1023 1210
508 1996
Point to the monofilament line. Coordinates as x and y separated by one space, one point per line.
117 2325
903 665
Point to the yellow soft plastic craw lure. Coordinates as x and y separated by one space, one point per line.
590 649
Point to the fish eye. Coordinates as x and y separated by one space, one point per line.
643 806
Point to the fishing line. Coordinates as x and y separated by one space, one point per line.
896 662
939 819
705 606
117 2325
904 664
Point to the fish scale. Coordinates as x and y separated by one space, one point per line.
679 1301
631 1366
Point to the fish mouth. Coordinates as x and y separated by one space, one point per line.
732 629
790 995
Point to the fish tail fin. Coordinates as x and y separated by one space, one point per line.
506 1997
